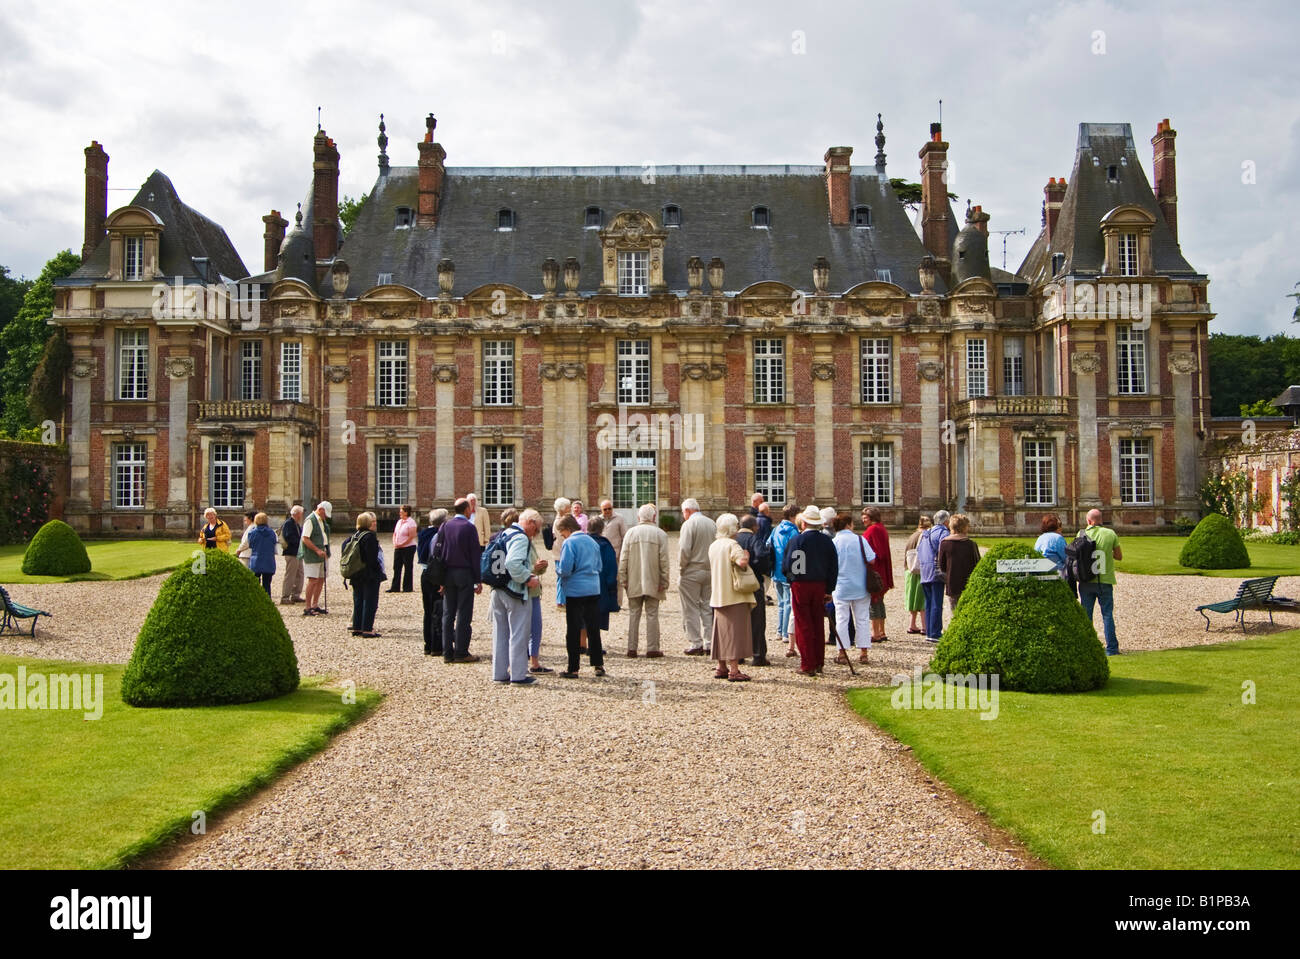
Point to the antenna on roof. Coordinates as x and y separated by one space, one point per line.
318 119
1005 234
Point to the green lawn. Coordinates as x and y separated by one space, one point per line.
1158 556
1186 775
109 559
81 794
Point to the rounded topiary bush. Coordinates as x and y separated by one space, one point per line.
55 550
1031 632
1215 544
213 636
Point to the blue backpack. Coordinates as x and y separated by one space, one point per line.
492 567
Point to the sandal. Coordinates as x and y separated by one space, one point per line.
917 632
721 674
791 652
842 659
737 677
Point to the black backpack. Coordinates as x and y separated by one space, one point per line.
1079 558
492 567
764 556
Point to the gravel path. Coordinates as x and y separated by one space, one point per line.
656 765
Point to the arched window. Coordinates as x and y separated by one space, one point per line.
760 217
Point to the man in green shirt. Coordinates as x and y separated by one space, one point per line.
1106 551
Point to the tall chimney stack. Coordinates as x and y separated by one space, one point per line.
325 198
934 195
1053 198
272 239
837 183
431 174
1166 175
96 197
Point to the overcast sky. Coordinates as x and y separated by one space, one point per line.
222 98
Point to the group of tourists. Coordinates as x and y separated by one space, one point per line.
830 578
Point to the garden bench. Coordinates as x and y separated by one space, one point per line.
13 612
1251 594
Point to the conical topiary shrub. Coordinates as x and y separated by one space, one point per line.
213 636
1031 632
1215 544
56 550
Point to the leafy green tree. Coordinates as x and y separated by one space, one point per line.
12 292
909 194
23 342
350 209
1260 408
1247 369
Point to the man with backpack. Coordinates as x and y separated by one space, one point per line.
511 563
760 561
932 578
458 548
1092 564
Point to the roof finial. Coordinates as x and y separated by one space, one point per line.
429 123
318 119
383 147
297 218
880 143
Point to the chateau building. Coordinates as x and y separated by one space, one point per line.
645 334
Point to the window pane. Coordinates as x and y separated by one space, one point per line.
769 472
227 475
976 368
1013 366
877 384
392 379
391 475
1040 473
134 269
633 372
1128 254
499 372
769 371
1130 359
1135 472
128 475
133 364
878 473
250 370
633 273
498 475
291 371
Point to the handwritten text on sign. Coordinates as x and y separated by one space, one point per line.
1026 566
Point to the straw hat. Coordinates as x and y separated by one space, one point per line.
812 516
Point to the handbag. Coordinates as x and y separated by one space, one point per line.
875 585
912 560
743 580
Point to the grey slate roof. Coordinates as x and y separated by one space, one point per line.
187 234
1089 197
550 203
1289 397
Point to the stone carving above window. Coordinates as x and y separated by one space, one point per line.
568 371
930 370
338 374
1183 362
446 373
180 367
702 371
84 367
1082 362
823 371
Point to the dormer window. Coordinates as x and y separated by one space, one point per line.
1058 263
593 219
505 219
403 218
633 272
1126 233
133 265
384 279
1112 174
1128 254
862 216
672 215
760 218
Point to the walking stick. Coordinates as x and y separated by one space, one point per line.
325 569
839 642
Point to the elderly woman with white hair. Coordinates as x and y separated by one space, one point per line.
215 534
732 596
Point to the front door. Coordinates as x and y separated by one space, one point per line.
635 482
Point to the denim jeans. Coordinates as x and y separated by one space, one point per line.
535 637
933 609
1089 594
782 609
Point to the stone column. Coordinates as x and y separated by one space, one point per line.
446 376
335 451
1183 366
179 371
703 375
1085 366
823 363
84 368
930 369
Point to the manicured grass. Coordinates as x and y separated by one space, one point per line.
83 794
1186 774
1158 556
109 559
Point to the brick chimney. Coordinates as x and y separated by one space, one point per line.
934 194
1166 179
325 198
96 197
837 184
980 220
272 238
1053 197
432 173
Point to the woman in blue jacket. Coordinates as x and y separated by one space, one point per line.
781 536
264 544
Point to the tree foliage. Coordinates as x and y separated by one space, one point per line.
1247 369
12 292
909 194
350 209
23 342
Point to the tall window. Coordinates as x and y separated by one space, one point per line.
877 474
977 371
250 370
635 479
128 475
291 372
133 364
769 472
633 272
391 488
133 269
1128 254
498 372
392 377
769 371
1130 359
633 371
1040 473
1013 366
877 383
1135 472
498 475
228 475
